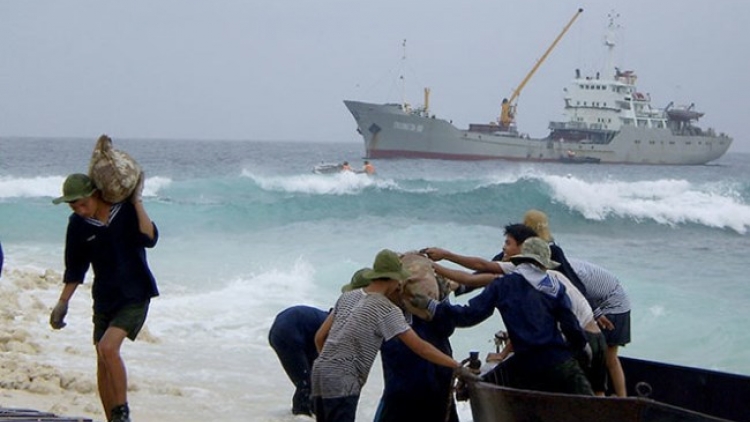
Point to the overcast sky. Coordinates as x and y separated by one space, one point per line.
280 69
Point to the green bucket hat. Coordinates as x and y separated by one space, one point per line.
535 249
387 265
357 281
77 186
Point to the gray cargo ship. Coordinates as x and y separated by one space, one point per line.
608 120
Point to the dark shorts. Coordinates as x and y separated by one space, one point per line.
413 406
129 318
339 409
620 335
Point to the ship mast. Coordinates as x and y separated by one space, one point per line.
609 42
403 79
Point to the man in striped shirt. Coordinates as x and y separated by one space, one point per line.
612 312
352 334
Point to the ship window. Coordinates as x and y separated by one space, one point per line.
688 143
671 142
652 142
637 141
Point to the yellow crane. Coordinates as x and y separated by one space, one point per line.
508 108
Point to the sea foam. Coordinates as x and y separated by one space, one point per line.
665 201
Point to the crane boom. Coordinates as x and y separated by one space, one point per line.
508 106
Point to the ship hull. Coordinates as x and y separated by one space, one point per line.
389 132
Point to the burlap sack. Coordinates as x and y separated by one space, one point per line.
422 280
114 172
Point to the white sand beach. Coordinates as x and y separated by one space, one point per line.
54 371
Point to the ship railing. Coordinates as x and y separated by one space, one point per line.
567 125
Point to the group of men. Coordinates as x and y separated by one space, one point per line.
560 323
564 327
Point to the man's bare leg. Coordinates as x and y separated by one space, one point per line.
616 374
111 373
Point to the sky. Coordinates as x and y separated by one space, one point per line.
280 69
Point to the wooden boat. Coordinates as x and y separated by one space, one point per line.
18 415
658 392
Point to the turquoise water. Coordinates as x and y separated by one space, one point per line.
247 229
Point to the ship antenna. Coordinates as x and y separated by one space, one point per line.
609 42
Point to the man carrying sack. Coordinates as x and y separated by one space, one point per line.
111 238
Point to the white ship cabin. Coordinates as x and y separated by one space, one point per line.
592 103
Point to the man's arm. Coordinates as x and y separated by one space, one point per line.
322 334
472 262
426 350
465 278
145 225
479 308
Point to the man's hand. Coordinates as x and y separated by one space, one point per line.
435 254
137 195
605 323
57 317
420 301
466 374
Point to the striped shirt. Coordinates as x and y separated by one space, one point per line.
361 322
603 289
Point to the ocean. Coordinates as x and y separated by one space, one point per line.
247 230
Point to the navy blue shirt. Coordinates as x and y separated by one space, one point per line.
296 327
116 251
416 389
530 316
405 371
